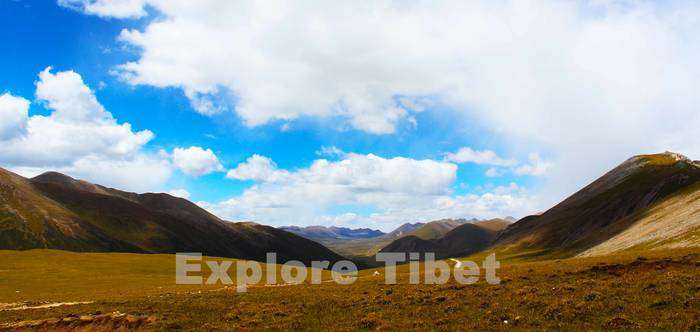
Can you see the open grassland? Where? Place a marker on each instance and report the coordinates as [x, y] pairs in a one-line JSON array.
[[47, 276], [362, 248], [659, 290]]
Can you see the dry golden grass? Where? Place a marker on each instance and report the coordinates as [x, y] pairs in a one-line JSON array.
[[658, 291]]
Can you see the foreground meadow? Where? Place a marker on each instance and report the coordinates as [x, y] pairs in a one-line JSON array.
[[61, 290]]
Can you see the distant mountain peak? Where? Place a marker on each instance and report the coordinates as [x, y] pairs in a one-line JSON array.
[[51, 177], [318, 232]]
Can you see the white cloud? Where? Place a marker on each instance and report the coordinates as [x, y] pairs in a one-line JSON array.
[[77, 127], [108, 8], [600, 80], [258, 168], [536, 167], [80, 138], [140, 173], [355, 173], [485, 157], [182, 193], [196, 161], [69, 98], [398, 189], [13, 116]]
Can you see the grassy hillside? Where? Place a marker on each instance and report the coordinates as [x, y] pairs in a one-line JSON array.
[[494, 225], [363, 248], [598, 293], [674, 222], [60, 276], [58, 212], [357, 247], [461, 241], [618, 201], [436, 229]]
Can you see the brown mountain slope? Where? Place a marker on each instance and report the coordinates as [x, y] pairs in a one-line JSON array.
[[463, 240], [494, 225], [58, 212], [437, 229], [29, 219], [608, 207]]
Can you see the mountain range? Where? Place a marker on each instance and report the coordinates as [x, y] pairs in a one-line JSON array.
[[420, 234], [55, 211], [324, 233], [462, 240], [648, 201]]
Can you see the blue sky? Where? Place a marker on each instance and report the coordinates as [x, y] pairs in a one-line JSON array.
[[481, 127]]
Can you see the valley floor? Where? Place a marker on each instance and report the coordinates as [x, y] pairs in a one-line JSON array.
[[659, 290]]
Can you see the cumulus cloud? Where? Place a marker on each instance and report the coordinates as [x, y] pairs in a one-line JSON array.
[[69, 98], [108, 8], [141, 172], [77, 127], [258, 168], [79, 137], [196, 161], [600, 79], [356, 172], [396, 189], [485, 157], [13, 116]]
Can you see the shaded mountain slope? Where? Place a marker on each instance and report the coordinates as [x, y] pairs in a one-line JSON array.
[[436, 229], [463, 240], [58, 212], [610, 206]]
